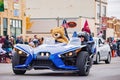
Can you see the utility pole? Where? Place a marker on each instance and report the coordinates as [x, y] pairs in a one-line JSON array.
[[100, 20], [58, 21]]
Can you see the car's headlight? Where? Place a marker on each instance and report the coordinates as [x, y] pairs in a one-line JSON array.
[[20, 52], [47, 54], [69, 54], [44, 54]]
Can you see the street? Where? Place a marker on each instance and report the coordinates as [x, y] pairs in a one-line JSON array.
[[100, 71]]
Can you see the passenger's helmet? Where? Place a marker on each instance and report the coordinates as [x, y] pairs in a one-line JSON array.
[[83, 34]]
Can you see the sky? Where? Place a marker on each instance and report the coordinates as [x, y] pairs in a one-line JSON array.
[[113, 8]]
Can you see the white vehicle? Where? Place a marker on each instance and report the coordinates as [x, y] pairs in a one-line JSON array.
[[103, 51]]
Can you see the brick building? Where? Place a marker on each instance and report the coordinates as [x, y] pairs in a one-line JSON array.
[[12, 18]]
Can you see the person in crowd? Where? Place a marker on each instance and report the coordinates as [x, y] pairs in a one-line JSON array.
[[19, 40], [109, 40], [2, 55], [2, 51], [12, 40], [7, 46], [31, 43], [26, 40], [40, 41], [114, 48], [1, 41], [100, 34], [118, 48], [35, 40]]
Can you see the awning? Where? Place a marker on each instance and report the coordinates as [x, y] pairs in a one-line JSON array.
[[118, 23], [110, 21]]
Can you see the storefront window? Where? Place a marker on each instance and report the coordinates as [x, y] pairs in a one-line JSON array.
[[98, 11], [13, 23], [16, 28], [104, 11], [5, 26], [20, 24], [17, 23]]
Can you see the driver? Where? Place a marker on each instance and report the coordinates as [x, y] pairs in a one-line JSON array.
[[83, 37], [86, 39]]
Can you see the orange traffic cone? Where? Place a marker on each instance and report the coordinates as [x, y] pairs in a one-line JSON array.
[[113, 53]]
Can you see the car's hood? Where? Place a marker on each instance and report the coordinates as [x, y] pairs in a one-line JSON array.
[[25, 48], [57, 48]]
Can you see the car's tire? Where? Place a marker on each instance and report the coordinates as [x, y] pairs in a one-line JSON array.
[[15, 61], [83, 63], [108, 59], [97, 60]]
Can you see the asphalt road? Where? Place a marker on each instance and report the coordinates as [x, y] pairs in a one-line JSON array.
[[101, 71]]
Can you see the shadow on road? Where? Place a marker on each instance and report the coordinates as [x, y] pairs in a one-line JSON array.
[[57, 74]]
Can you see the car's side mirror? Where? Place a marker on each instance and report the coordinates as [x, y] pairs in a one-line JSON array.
[[103, 42], [100, 45]]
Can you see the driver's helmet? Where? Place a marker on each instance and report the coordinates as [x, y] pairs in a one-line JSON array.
[[83, 34]]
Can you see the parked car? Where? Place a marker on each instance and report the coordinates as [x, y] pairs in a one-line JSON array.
[[103, 51], [58, 57]]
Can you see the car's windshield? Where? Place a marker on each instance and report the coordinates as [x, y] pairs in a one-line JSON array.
[[49, 40], [75, 41], [95, 40]]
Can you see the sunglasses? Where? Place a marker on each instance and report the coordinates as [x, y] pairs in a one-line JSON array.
[[80, 36]]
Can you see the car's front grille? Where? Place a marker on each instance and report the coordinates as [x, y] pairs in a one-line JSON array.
[[69, 61], [22, 59], [42, 63]]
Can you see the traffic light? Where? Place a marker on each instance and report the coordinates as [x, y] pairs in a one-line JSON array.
[[28, 23]]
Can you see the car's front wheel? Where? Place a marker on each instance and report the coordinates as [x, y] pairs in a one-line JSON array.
[[97, 61], [83, 63], [15, 61], [108, 59]]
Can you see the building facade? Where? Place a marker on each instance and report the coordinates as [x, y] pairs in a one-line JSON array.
[[46, 17], [114, 24], [43, 18], [101, 11], [12, 18]]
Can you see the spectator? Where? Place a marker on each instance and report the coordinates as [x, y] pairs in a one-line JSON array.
[[1, 41], [31, 43], [100, 34], [7, 46], [19, 40], [26, 40], [35, 40], [12, 41], [114, 48], [2, 51], [40, 41], [118, 48]]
